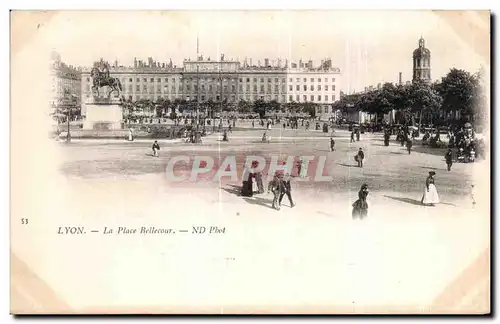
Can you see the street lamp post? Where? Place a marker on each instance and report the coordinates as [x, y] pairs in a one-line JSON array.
[[197, 95], [68, 135]]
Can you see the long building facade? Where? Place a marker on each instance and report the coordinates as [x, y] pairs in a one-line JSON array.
[[229, 81]]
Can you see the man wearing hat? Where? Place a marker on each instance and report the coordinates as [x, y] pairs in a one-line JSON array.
[[287, 190], [449, 160], [277, 187], [359, 157], [258, 178]]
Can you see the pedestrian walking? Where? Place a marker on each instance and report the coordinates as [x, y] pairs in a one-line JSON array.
[[430, 197], [357, 135], [449, 159], [359, 157], [387, 136], [352, 137], [276, 187], [360, 206], [409, 144], [287, 190], [156, 149], [332, 144], [258, 179]]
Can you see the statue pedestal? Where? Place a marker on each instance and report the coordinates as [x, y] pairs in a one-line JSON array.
[[103, 114]]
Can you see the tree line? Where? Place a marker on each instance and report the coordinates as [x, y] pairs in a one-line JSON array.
[[162, 106], [457, 97]]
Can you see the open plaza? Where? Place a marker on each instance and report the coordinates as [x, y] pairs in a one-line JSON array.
[[104, 182]]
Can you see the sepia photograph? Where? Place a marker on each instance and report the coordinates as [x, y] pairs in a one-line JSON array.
[[250, 162]]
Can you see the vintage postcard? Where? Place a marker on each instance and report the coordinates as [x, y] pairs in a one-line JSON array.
[[250, 162]]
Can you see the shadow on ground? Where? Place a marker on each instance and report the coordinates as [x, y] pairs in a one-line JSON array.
[[259, 201], [430, 168], [348, 165], [233, 189], [255, 200], [406, 200]]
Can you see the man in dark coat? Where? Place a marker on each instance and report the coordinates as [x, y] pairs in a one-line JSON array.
[[156, 148], [352, 136], [332, 144], [449, 159], [359, 157], [287, 190]]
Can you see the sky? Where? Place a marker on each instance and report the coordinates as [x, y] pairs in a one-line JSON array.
[[368, 46]]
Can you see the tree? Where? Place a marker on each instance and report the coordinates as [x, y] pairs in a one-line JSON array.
[[273, 105], [128, 107], [260, 107], [244, 107], [211, 107], [425, 102], [161, 106], [460, 92], [292, 107], [180, 104], [309, 108], [66, 106]]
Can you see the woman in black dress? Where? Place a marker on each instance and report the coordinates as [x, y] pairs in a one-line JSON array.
[[360, 206], [247, 186]]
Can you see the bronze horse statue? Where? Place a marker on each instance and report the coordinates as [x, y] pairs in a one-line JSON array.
[[101, 79]]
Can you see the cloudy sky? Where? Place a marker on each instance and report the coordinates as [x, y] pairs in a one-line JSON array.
[[368, 46]]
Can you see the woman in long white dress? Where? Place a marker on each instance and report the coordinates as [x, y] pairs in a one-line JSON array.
[[430, 197]]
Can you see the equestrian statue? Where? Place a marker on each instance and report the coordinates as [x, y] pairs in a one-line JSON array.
[[101, 79]]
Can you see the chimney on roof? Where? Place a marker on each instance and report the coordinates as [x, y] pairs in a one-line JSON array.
[[400, 78]]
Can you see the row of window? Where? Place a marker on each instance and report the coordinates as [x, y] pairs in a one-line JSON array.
[[423, 74], [276, 80], [211, 97], [202, 88], [225, 87], [297, 87], [312, 80], [304, 98]]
